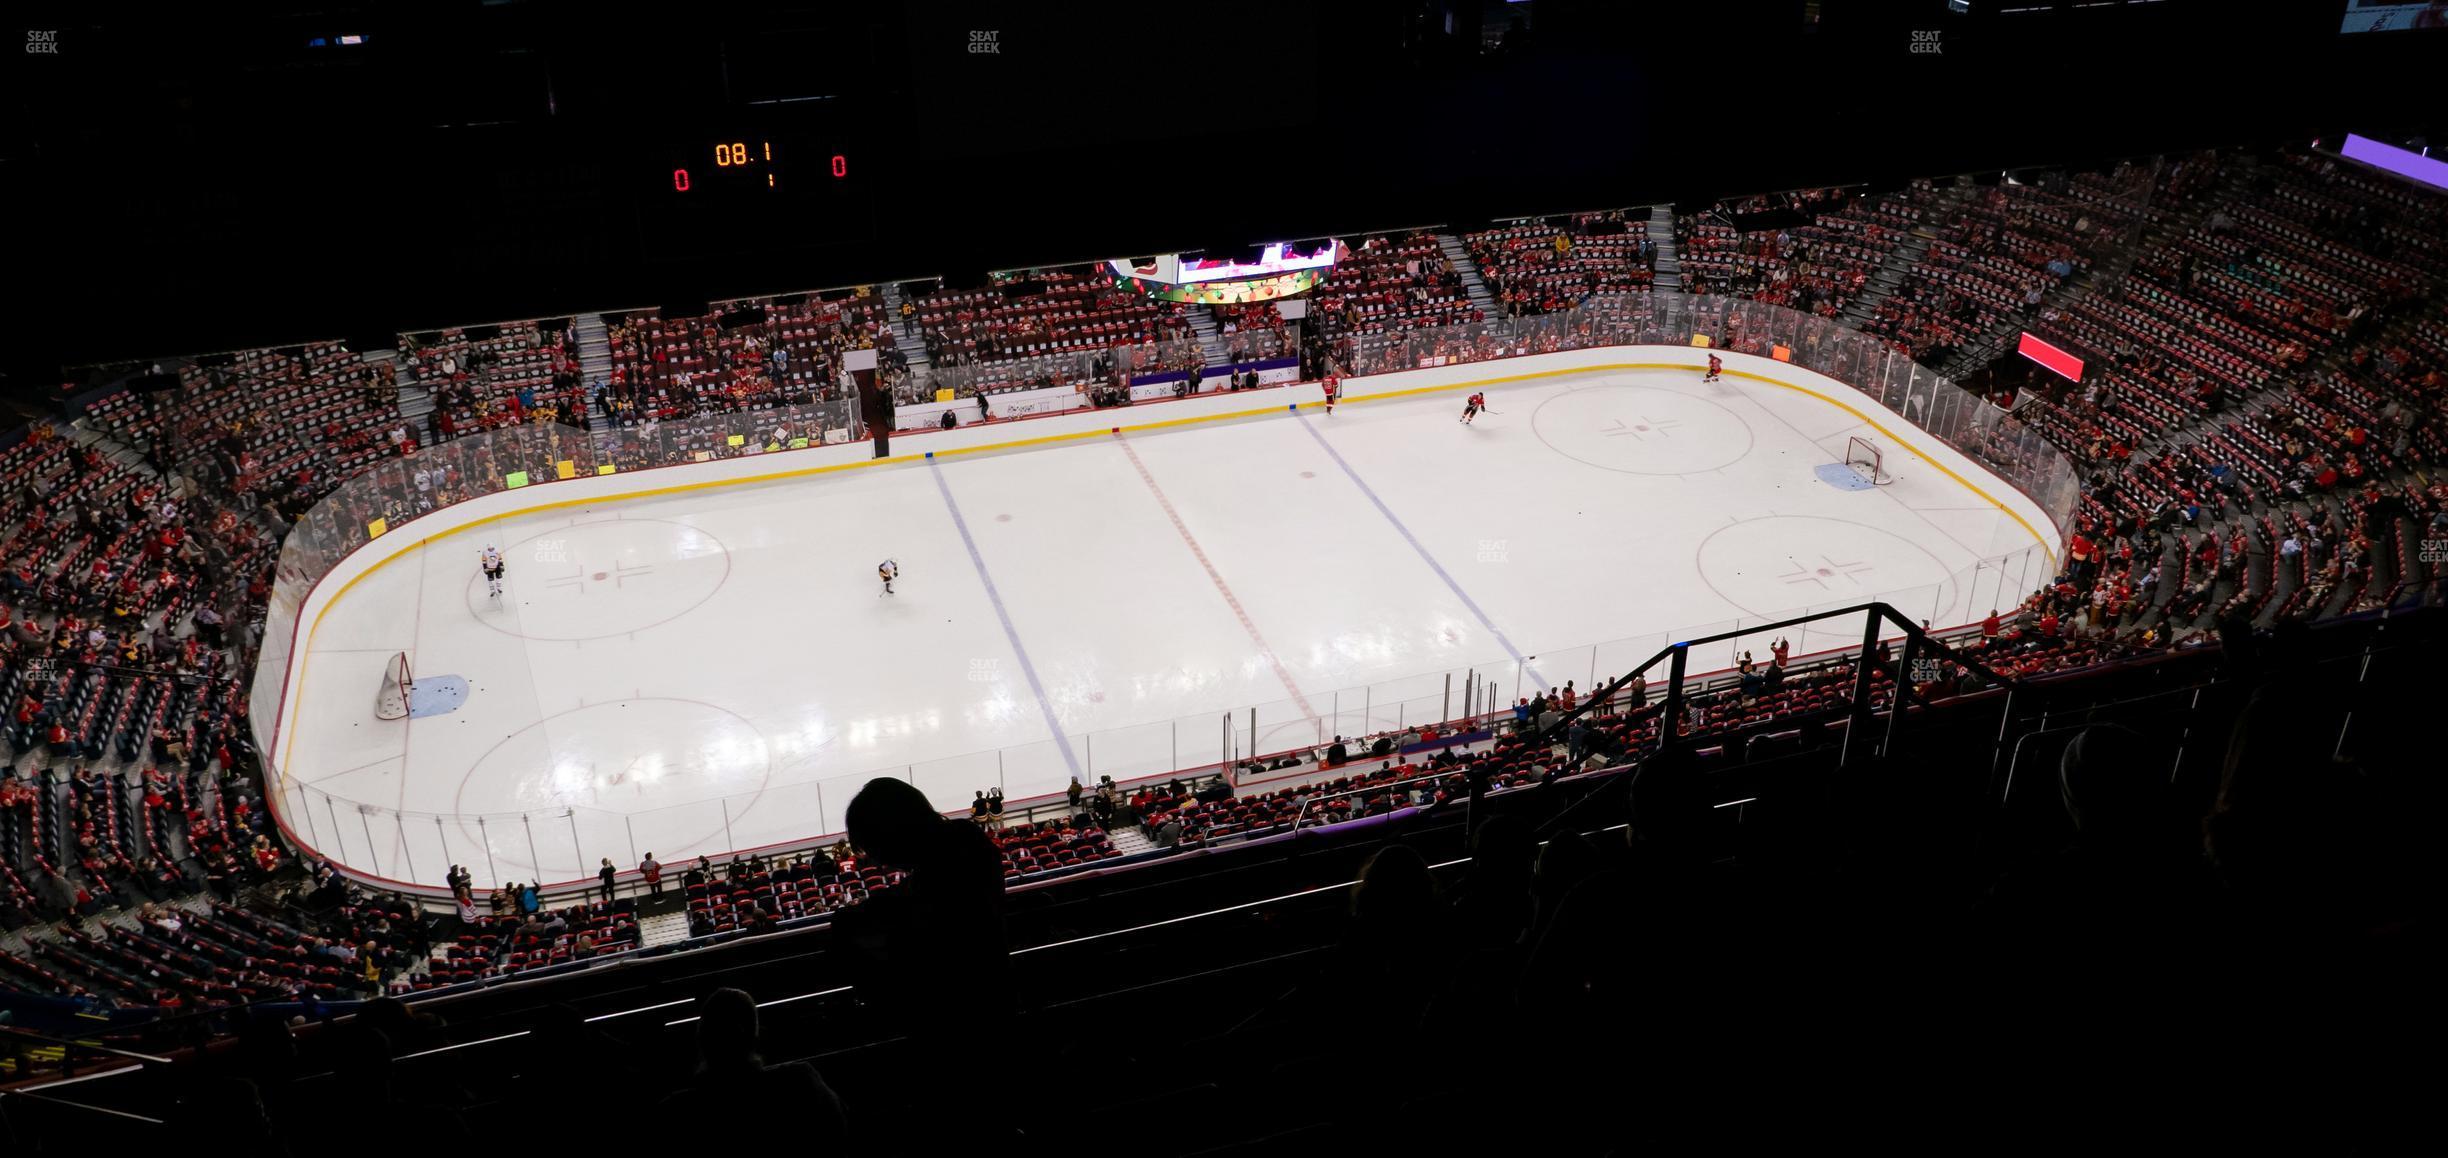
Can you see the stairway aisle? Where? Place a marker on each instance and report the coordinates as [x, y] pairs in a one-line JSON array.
[[2097, 279], [905, 339], [415, 402], [1668, 273], [1468, 271], [594, 356], [1890, 274], [1211, 340]]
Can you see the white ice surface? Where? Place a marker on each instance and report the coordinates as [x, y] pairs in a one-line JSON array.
[[716, 669]]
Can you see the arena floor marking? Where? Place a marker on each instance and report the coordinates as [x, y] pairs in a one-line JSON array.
[[1222, 588], [1371, 494], [1010, 632]]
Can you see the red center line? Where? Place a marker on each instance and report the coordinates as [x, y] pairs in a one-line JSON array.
[[1222, 588]]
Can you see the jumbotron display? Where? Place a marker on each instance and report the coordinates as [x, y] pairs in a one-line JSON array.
[[1282, 270]]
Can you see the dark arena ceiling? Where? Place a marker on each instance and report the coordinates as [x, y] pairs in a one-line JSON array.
[[204, 177]]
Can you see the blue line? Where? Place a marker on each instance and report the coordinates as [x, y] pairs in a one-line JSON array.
[[1425, 557], [1010, 633]]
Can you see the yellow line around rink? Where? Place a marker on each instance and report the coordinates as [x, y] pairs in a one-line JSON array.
[[298, 695]]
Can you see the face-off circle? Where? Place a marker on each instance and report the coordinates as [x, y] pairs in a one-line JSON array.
[[1641, 430], [625, 756], [602, 579], [1782, 563]]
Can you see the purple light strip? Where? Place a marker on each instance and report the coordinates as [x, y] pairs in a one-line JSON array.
[[2412, 166]]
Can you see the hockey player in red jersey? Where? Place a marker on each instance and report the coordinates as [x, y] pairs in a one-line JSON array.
[[1715, 365], [1471, 408], [1334, 389]]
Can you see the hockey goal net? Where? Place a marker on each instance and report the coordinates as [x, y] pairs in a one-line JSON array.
[[398, 689], [1864, 456]]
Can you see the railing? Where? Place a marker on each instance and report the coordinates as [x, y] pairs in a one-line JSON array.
[[808, 791], [1310, 802]]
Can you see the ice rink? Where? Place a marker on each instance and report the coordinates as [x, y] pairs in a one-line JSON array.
[[718, 669]]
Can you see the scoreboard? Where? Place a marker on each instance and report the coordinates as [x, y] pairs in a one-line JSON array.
[[808, 186], [756, 162]]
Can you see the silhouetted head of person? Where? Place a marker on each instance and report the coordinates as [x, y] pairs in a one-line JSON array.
[[1668, 803], [1502, 851], [559, 1024], [388, 1014], [1394, 888], [363, 1061], [2287, 810], [891, 820], [727, 1031], [2114, 785], [1566, 861]]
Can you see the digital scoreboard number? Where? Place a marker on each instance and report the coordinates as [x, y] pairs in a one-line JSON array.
[[749, 163], [809, 186]]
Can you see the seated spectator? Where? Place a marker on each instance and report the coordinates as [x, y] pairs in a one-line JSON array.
[[2132, 878], [733, 1084], [1399, 932]]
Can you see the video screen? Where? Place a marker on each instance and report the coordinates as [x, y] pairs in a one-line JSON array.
[[2393, 15]]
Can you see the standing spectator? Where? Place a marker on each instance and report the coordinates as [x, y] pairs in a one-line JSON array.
[[528, 901], [607, 874], [933, 944], [208, 626], [1073, 794], [652, 870], [994, 809]]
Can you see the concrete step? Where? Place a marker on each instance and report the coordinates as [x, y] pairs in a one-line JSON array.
[[907, 339], [1472, 284], [1211, 339], [594, 338], [1669, 270]]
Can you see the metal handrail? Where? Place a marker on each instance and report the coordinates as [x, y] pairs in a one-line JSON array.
[[1915, 638], [1388, 786]]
